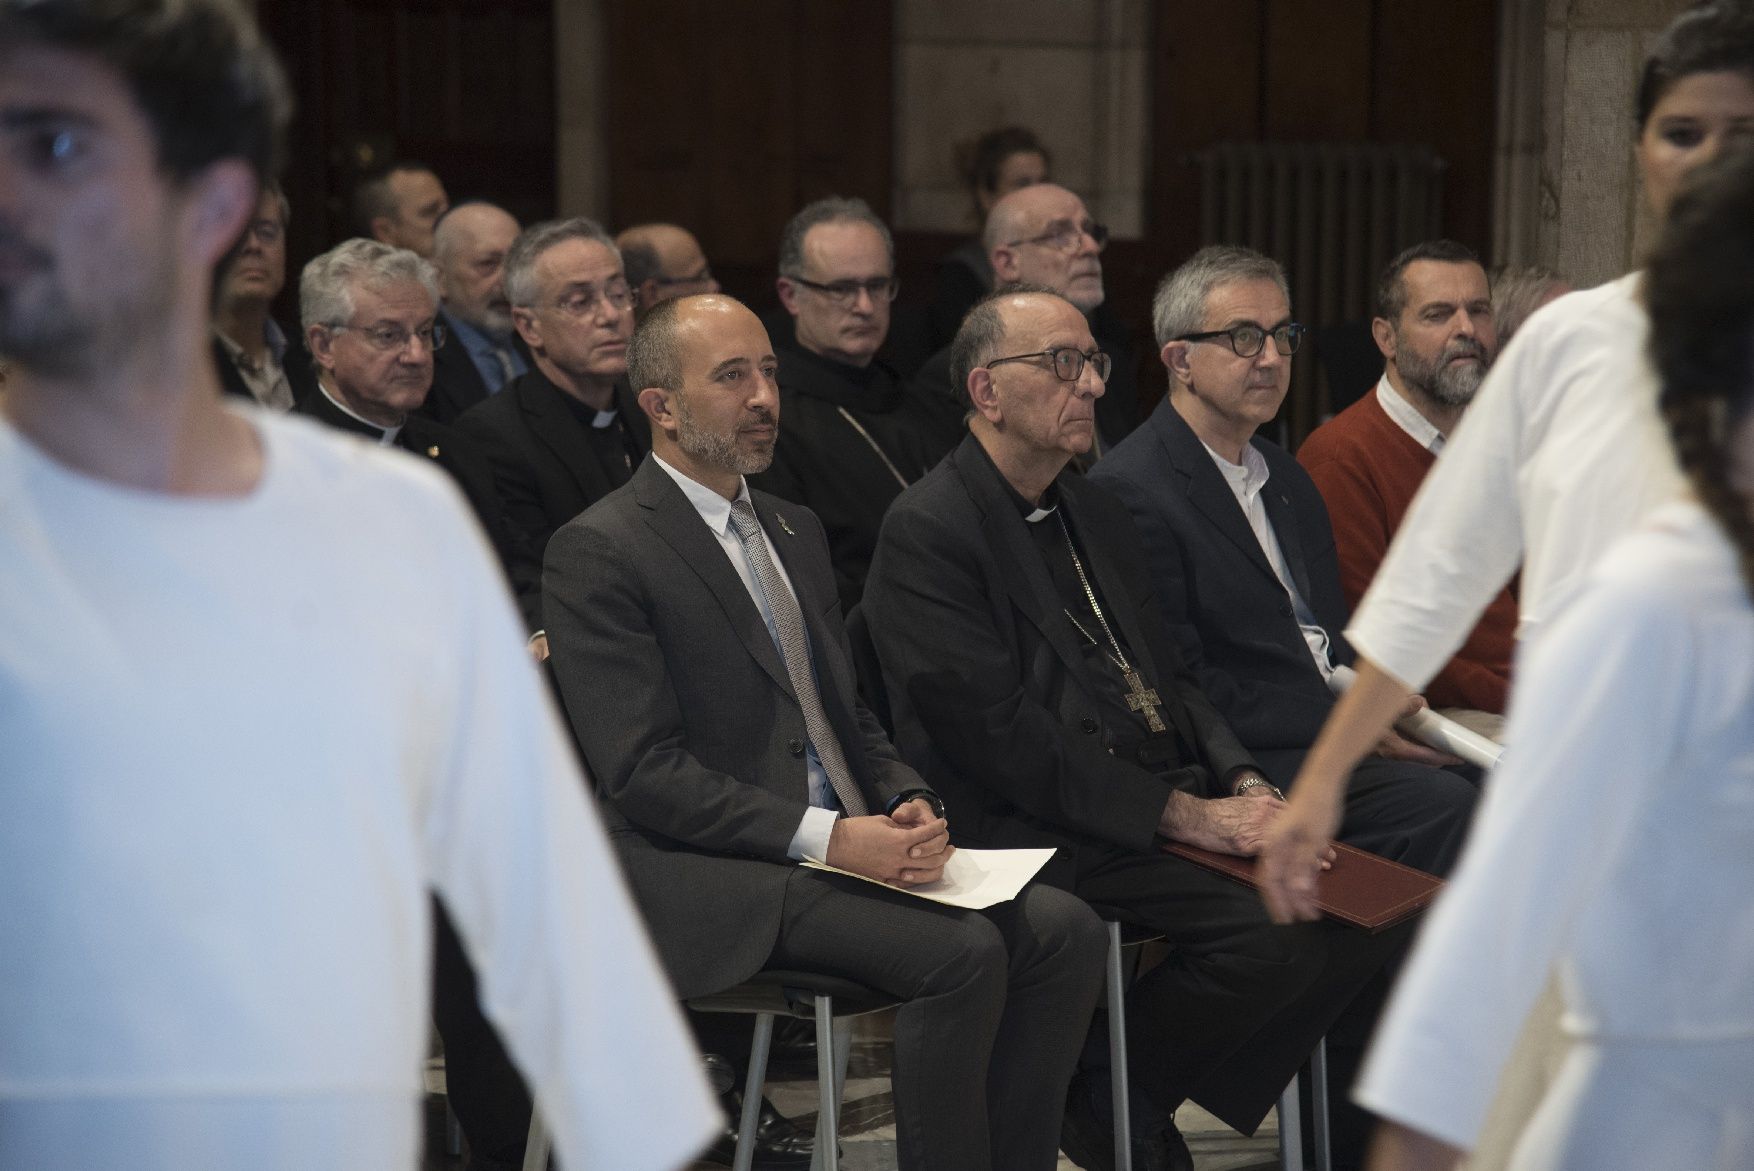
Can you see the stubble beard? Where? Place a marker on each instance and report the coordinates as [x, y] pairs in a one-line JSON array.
[[715, 450], [1443, 381]]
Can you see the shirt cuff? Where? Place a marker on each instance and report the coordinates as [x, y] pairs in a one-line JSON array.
[[811, 840]]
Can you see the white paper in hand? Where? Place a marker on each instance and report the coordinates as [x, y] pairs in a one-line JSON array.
[[972, 879]]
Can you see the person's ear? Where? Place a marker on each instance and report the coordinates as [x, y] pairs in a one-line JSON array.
[[1174, 356], [788, 292], [221, 199], [321, 343], [1005, 266], [983, 395], [524, 321], [1384, 335], [655, 402]]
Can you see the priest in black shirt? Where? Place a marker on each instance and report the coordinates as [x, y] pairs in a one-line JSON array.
[[1035, 686], [369, 312], [567, 433], [850, 437]]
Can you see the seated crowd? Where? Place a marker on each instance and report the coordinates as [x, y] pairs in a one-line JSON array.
[[796, 605]]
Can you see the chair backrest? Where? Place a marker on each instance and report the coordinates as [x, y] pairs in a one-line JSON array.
[[869, 669]]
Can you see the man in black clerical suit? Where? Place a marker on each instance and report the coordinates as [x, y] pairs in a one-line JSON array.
[[469, 246], [1238, 542], [1043, 234], [697, 637], [1034, 684], [567, 433], [368, 311], [850, 437]]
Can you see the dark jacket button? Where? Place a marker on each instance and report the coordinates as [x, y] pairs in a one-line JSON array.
[[795, 746], [1088, 725]]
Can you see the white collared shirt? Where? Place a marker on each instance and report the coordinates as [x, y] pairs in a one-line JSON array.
[[811, 839], [1246, 481], [1406, 416]]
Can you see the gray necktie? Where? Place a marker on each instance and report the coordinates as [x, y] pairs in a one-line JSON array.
[[788, 620], [507, 371]]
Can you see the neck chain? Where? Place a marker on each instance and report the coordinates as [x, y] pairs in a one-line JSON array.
[[1139, 697]]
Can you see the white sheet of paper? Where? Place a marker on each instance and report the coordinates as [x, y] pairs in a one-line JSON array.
[[1439, 732], [972, 879]]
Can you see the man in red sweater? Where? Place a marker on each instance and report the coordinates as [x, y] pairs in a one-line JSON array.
[[1435, 329]]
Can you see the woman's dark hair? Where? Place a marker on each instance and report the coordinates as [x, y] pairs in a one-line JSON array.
[[1700, 292], [207, 83], [978, 162], [1713, 37]]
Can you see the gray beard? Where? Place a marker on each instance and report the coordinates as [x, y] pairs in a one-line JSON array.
[[719, 451], [1443, 382]]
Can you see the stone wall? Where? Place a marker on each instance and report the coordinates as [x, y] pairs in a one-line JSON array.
[[1074, 71]]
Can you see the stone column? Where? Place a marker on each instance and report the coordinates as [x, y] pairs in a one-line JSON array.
[[581, 68]]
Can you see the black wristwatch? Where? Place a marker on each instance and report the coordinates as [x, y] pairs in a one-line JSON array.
[[929, 797]]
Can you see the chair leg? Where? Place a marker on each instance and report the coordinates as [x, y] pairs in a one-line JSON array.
[[453, 1130], [754, 1085], [1117, 1051], [536, 1146], [1318, 1105], [827, 1154], [1290, 1130]]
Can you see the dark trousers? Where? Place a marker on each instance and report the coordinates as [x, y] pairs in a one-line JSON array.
[[996, 1005]]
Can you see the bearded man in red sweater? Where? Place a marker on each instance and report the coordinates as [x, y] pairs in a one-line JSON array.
[[1435, 328]]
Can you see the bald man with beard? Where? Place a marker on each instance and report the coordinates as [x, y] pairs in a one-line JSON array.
[[469, 250]]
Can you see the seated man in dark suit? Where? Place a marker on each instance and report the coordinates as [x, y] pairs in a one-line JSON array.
[[255, 357], [469, 247], [1237, 537], [567, 433], [369, 315], [1034, 684], [697, 637]]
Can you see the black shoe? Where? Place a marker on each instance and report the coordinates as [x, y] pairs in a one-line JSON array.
[[779, 1145], [794, 1047], [1086, 1138], [1167, 1151]]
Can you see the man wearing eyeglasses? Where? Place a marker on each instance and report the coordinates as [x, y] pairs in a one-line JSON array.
[[850, 437], [255, 357], [663, 261], [1043, 234], [566, 433], [1035, 685]]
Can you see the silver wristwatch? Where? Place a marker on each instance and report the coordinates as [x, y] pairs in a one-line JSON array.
[[1256, 781]]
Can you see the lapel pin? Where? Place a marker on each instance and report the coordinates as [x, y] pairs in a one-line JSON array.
[[433, 451], [786, 528]]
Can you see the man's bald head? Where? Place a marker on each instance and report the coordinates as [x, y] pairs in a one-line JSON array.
[[1043, 234], [469, 249], [664, 261]]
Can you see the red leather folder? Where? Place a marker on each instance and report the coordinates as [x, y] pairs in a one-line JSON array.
[[1362, 889]]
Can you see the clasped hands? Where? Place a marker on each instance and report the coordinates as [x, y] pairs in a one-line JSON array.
[[908, 847], [1231, 825]]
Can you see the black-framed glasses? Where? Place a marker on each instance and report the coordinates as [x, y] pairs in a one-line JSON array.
[[388, 337], [1066, 362], [1248, 340], [1067, 237], [846, 293]]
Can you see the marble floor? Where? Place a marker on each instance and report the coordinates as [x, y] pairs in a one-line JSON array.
[[868, 1124]]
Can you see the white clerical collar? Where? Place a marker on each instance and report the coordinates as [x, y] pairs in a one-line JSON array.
[[714, 509], [1247, 478], [1407, 417], [603, 419], [388, 434]]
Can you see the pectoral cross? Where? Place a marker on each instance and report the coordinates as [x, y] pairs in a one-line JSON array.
[[1143, 698]]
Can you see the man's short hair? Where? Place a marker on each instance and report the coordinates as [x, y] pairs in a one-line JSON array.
[[982, 331], [1517, 293], [1179, 306], [640, 262], [325, 288], [532, 242], [373, 197], [833, 210], [207, 83], [654, 356], [1391, 287]]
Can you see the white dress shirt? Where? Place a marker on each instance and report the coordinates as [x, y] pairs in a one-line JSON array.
[[1560, 453], [811, 839], [1617, 840], [241, 740], [1406, 416], [1246, 481]]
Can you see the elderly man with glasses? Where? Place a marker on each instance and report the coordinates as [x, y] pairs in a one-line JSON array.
[[1043, 234], [1035, 685], [850, 437]]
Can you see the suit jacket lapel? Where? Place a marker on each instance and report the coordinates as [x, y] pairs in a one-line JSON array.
[[1204, 486], [675, 520], [1007, 535], [561, 432]]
